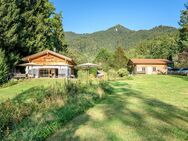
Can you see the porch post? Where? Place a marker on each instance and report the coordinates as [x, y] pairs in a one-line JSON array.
[[26, 70]]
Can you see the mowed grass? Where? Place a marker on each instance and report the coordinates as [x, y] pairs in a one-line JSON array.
[[12, 91], [148, 108]]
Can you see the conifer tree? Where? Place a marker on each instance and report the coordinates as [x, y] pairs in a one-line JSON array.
[[183, 42], [120, 60], [29, 26], [183, 39], [3, 68]]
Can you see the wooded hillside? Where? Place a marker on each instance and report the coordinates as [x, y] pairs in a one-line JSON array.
[[90, 44]]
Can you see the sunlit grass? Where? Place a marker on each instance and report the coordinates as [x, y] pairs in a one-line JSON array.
[[147, 108], [12, 91]]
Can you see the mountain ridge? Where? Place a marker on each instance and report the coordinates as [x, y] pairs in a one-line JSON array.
[[118, 35], [119, 25]]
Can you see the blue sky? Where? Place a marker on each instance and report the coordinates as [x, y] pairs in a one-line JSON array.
[[86, 16]]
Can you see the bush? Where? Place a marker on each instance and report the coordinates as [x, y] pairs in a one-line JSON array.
[[93, 71], [82, 75], [11, 114], [112, 74], [122, 72]]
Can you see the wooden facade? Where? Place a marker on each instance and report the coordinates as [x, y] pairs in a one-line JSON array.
[[48, 64]]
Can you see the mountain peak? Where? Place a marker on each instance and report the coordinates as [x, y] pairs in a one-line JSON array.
[[118, 28]]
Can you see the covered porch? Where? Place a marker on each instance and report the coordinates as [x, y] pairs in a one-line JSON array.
[[43, 71]]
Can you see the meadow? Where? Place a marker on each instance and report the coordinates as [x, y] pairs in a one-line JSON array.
[[153, 108], [147, 108]]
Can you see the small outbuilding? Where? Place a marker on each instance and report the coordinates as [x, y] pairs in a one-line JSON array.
[[48, 64], [149, 66]]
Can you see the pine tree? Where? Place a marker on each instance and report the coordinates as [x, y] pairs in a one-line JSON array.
[[183, 42], [10, 26], [29, 26], [183, 39], [120, 60], [42, 26], [58, 33], [3, 68]]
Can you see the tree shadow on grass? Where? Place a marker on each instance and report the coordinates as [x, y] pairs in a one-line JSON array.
[[180, 76], [119, 84], [152, 108], [34, 93], [151, 119]]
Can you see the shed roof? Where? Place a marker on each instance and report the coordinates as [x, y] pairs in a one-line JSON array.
[[150, 61]]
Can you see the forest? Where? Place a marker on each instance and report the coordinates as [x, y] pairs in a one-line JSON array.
[[30, 26], [117, 36]]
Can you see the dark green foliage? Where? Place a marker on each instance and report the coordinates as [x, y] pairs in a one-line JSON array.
[[3, 68], [182, 59], [27, 27], [122, 72], [104, 58], [58, 34], [183, 42], [77, 56], [120, 60], [90, 44], [105, 85], [108, 60], [93, 71], [160, 47]]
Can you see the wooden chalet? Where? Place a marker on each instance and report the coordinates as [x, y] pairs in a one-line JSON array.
[[48, 64]]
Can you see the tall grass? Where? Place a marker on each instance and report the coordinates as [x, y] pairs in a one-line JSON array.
[[37, 113]]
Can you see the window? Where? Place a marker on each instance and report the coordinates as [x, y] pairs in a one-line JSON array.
[[143, 69], [154, 69], [44, 72]]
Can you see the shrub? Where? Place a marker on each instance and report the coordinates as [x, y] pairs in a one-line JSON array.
[[93, 71], [82, 75], [122, 72], [11, 114], [112, 74]]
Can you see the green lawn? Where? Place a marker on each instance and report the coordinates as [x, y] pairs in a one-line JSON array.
[[13, 91], [148, 108]]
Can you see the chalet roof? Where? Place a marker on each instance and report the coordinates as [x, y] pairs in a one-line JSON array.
[[150, 61], [47, 52], [27, 64]]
